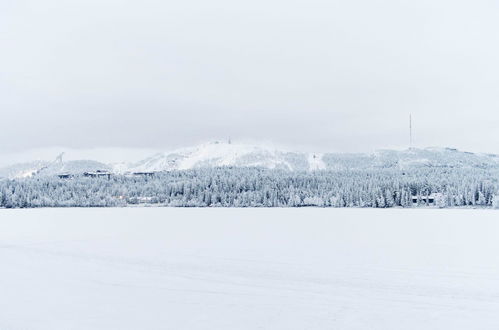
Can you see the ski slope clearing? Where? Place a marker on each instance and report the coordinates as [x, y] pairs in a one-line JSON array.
[[168, 268]]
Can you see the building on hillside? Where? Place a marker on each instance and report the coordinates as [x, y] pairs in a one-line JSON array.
[[430, 199], [98, 174], [148, 174]]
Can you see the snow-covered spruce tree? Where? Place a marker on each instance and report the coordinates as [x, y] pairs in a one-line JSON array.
[[441, 200], [495, 202], [256, 187]]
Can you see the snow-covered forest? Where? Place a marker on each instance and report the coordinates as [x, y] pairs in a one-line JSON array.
[[258, 187]]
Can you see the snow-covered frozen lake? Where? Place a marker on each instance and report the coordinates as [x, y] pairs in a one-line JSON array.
[[167, 268]]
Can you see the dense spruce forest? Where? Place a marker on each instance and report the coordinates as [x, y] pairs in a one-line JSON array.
[[256, 187]]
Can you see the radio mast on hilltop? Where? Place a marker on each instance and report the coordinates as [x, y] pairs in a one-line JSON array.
[[410, 131]]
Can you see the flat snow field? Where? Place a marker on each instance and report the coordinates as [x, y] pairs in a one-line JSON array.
[[309, 268]]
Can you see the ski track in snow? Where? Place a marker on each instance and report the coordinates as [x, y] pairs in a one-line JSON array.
[[166, 268]]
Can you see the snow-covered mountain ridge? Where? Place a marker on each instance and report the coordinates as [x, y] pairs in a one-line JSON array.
[[245, 155], [218, 154]]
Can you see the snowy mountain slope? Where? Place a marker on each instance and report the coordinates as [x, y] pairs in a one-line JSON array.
[[74, 167], [433, 157], [218, 154], [411, 158], [241, 155], [223, 154], [22, 170], [105, 155], [44, 168], [316, 162]]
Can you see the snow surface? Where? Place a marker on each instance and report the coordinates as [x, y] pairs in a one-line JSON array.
[[167, 268]]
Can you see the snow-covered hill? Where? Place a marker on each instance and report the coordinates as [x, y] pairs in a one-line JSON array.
[[44, 168], [243, 155], [23, 170], [411, 158], [74, 167], [217, 154]]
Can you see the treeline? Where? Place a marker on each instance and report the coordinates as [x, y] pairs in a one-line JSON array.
[[255, 187]]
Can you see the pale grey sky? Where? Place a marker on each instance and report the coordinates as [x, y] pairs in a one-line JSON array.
[[329, 75]]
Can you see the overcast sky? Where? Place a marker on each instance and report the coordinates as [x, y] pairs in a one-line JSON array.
[[324, 75]]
